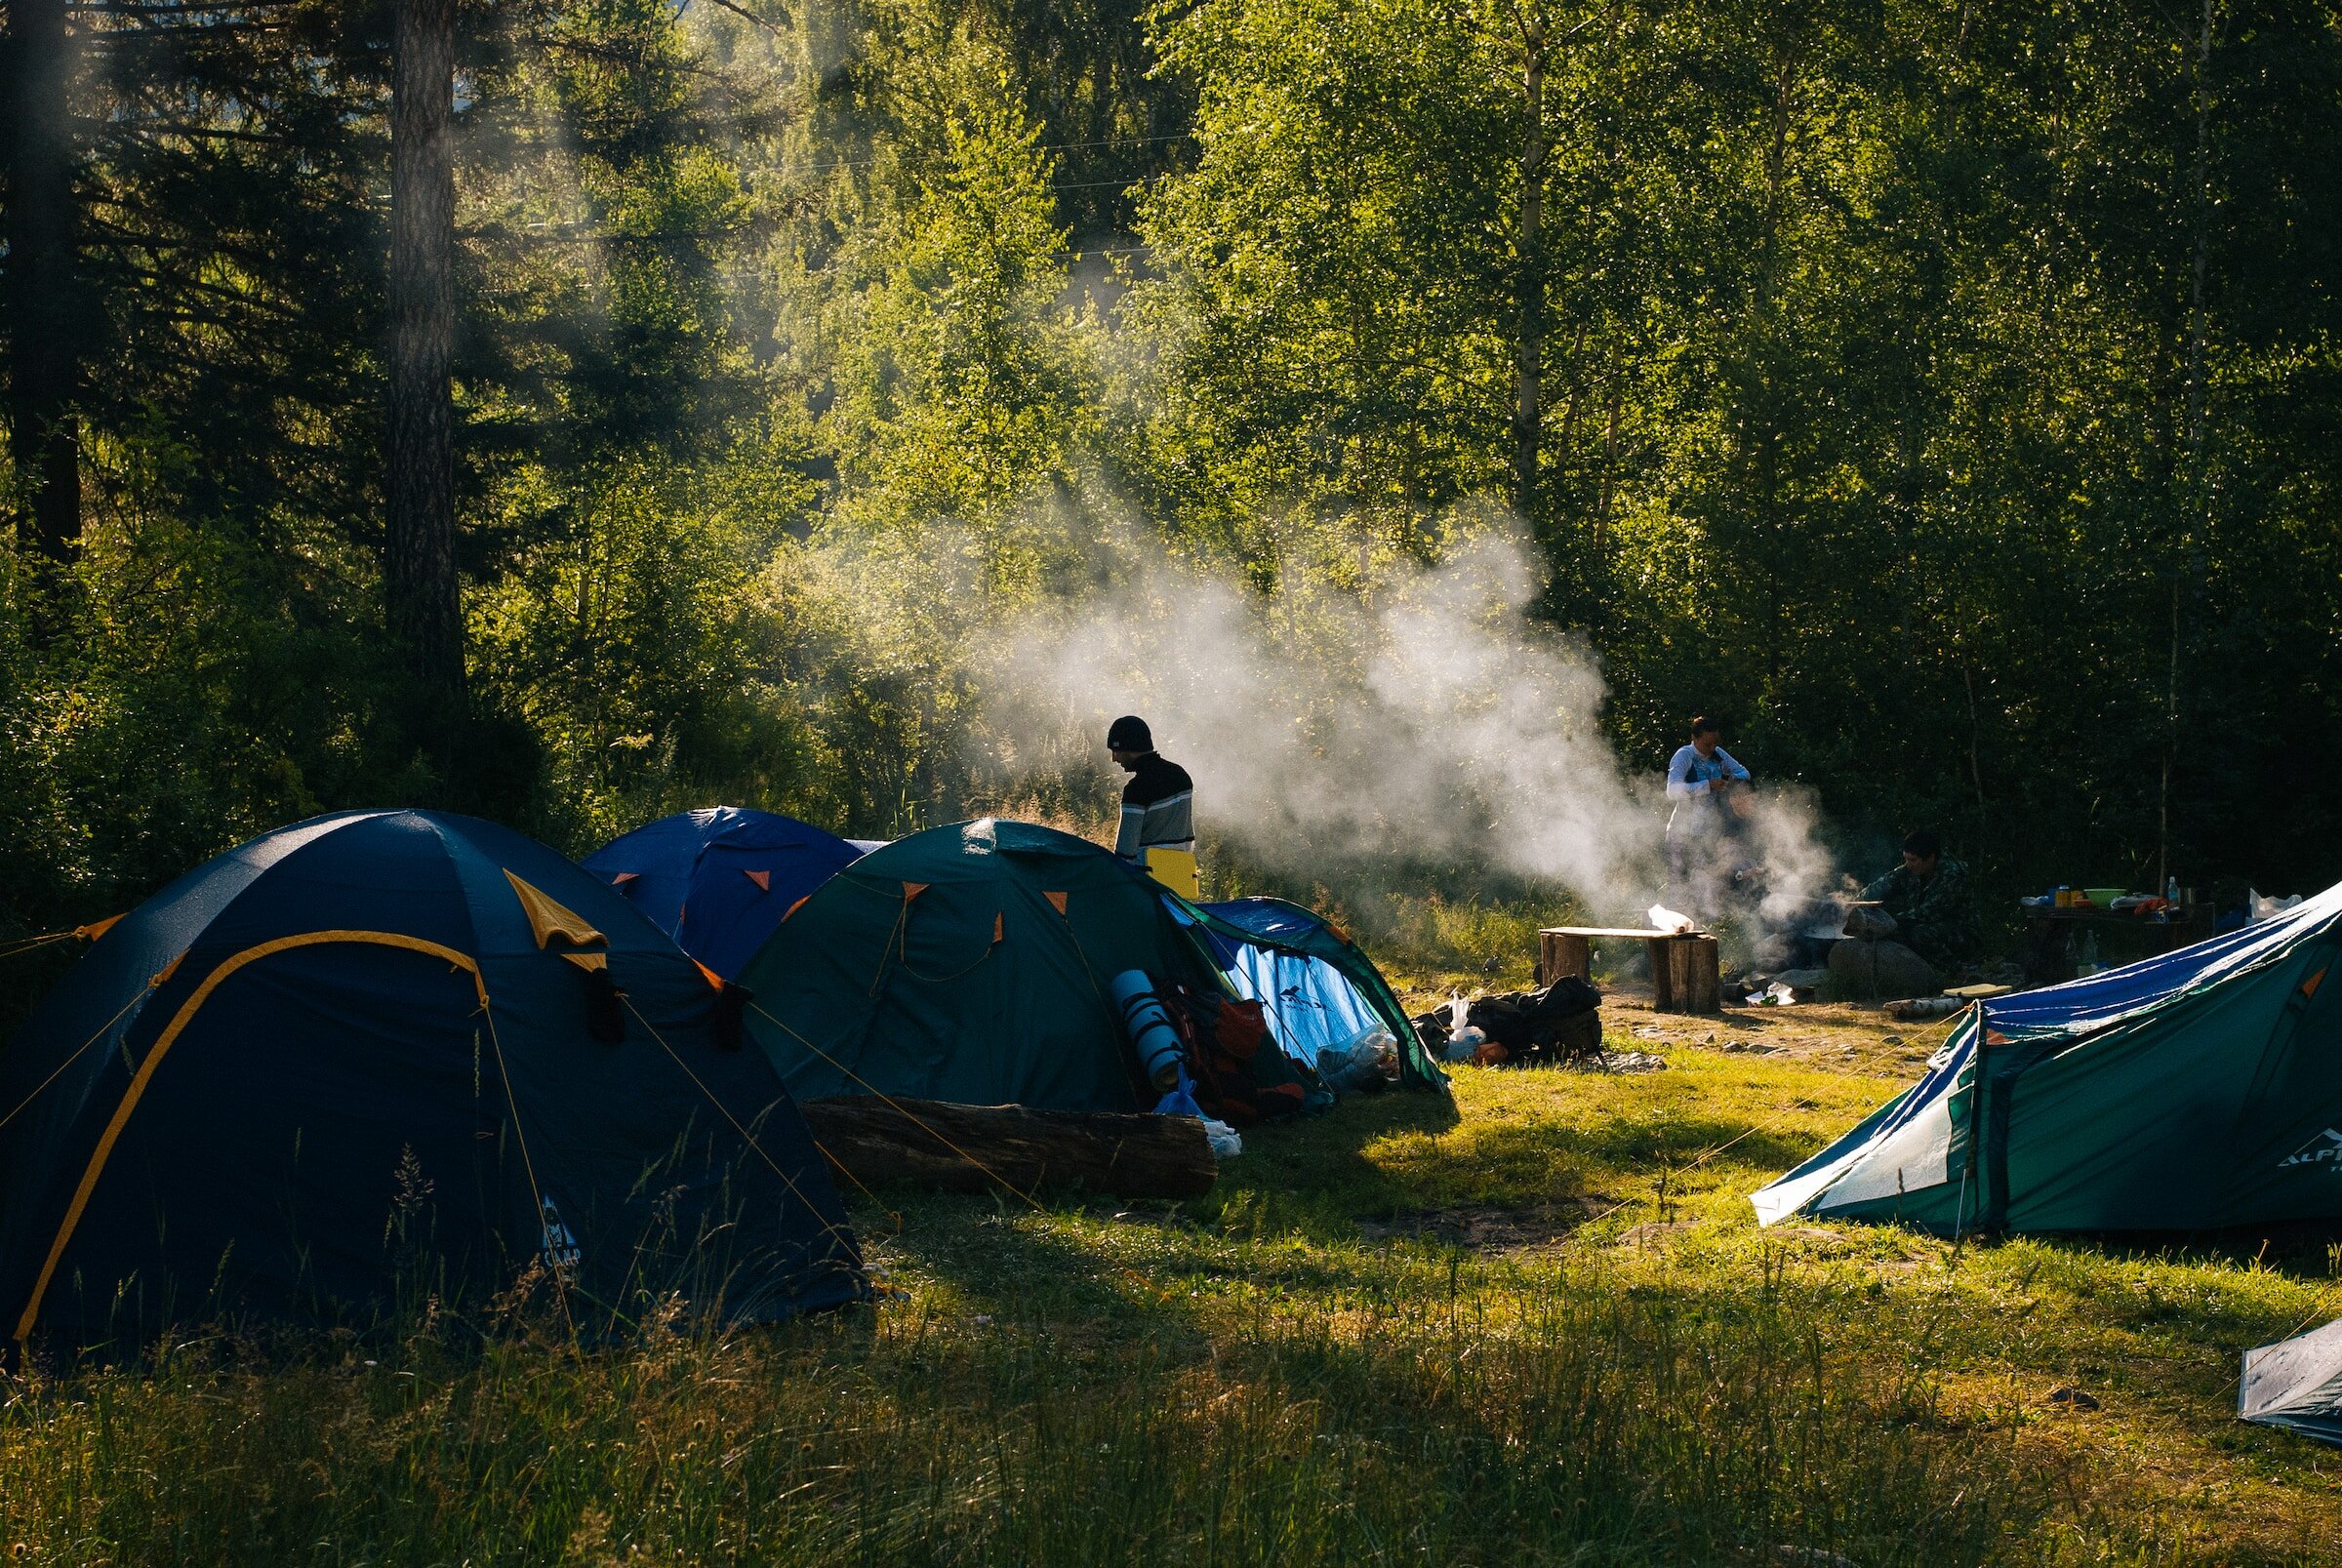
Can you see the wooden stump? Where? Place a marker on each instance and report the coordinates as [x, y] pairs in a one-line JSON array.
[[1561, 953], [976, 1148], [1684, 974]]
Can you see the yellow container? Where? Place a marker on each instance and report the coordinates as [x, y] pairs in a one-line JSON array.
[[1175, 868]]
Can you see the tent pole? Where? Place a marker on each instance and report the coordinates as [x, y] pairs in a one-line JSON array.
[[1971, 1172]]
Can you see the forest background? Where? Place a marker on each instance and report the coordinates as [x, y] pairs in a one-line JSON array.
[[1945, 394]]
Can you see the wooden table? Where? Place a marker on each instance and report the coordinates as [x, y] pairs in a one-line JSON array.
[[2048, 930], [1684, 964]]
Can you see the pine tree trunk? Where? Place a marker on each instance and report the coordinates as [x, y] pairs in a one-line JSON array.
[[419, 591], [1528, 357], [44, 438]]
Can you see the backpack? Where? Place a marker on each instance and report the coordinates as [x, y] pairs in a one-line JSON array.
[[1242, 1076]]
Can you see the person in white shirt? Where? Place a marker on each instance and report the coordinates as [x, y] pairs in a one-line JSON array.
[[1700, 778]]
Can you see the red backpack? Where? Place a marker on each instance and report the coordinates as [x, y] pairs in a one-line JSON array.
[[1237, 1079]]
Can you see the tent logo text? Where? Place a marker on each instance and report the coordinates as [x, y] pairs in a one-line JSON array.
[[2323, 1149]]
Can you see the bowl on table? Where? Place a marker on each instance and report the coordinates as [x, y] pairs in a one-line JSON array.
[[2103, 897]]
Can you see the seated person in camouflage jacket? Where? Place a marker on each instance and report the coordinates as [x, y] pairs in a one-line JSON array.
[[1929, 897]]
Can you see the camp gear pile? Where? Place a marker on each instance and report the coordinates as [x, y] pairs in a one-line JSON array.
[[1560, 1024]]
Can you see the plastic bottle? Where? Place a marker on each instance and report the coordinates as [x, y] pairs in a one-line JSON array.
[[2088, 964]]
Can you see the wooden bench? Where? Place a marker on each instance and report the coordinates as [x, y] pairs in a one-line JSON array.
[[1684, 967]]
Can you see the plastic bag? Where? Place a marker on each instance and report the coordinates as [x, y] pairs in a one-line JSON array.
[[1359, 1063], [1672, 921], [1227, 1143], [1464, 1044], [2268, 909]]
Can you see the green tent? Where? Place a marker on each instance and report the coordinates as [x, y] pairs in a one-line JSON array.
[[974, 963], [2194, 1091]]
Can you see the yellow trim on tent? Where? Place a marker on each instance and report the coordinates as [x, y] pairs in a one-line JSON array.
[[548, 919], [162, 1046]]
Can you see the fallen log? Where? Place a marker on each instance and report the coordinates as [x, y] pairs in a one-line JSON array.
[[976, 1148]]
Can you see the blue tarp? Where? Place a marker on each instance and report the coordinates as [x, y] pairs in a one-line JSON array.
[[720, 879]]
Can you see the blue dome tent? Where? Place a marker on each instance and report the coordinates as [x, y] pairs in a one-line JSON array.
[[720, 878], [384, 1042]]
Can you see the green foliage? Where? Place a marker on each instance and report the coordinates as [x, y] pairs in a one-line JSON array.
[[1942, 397]]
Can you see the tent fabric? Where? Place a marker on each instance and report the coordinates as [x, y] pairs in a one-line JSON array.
[[2297, 1384], [2194, 1091], [719, 880], [355, 1056], [971, 963], [1308, 1003], [1316, 984]]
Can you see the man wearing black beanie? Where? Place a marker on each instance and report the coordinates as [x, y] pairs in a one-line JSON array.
[[1158, 808]]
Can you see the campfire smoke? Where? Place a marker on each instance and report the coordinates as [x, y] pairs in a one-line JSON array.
[[1425, 719]]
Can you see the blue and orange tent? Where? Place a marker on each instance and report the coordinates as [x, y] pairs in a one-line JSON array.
[[720, 879], [396, 1045], [975, 963]]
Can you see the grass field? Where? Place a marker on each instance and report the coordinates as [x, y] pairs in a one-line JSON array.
[[1536, 1327]]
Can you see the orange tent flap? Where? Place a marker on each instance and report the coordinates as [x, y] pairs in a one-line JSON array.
[[619, 879], [1058, 900], [548, 919], [709, 975], [2309, 986], [795, 907], [97, 927], [912, 890], [588, 960], [763, 879], [999, 933]]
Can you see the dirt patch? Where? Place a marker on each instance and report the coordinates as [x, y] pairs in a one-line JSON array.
[[1490, 1230]]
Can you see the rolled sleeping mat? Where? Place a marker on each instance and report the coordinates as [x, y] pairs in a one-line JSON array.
[[1148, 1026]]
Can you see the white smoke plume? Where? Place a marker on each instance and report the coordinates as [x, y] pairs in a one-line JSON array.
[[1427, 720]]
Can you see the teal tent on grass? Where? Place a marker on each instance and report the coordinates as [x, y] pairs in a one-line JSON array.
[[2195, 1091], [974, 963], [396, 1051]]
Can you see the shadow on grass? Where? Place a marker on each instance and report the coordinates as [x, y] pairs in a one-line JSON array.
[[1321, 1183], [1321, 1406]]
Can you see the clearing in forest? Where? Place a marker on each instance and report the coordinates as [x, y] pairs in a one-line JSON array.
[[1537, 1326]]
